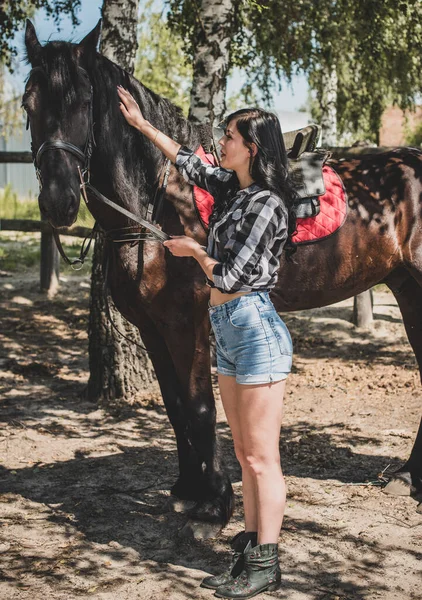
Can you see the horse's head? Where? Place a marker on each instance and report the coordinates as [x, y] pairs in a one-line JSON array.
[[58, 101]]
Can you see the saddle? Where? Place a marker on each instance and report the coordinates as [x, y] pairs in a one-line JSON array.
[[305, 165]]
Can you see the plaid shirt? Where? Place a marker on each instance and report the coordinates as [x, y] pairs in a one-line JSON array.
[[248, 239]]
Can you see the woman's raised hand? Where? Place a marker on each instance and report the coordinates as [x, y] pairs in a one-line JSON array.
[[130, 109]]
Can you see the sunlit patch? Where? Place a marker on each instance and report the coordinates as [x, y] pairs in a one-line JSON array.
[[22, 300]]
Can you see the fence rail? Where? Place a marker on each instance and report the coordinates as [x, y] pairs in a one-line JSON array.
[[15, 157], [30, 225], [50, 258]]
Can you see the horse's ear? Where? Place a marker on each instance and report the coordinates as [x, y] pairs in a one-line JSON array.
[[33, 47], [88, 46]]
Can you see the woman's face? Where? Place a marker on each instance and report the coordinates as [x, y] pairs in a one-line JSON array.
[[234, 154]]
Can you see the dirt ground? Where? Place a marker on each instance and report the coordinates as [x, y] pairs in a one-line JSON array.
[[85, 510]]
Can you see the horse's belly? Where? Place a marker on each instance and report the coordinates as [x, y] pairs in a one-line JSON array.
[[344, 265]]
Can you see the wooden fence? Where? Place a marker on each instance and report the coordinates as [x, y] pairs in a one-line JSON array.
[[50, 258]]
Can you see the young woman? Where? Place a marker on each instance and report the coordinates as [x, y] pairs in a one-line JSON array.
[[251, 224]]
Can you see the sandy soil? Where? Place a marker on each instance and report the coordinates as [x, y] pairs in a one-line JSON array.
[[85, 510]]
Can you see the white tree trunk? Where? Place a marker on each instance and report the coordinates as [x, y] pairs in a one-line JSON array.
[[362, 308], [119, 34], [212, 60], [329, 108]]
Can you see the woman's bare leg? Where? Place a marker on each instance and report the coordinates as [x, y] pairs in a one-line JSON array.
[[228, 391], [259, 411]]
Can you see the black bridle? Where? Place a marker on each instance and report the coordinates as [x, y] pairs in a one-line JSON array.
[[152, 232], [83, 155]]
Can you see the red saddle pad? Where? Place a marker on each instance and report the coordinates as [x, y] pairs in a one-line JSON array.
[[333, 206], [333, 211], [202, 199]]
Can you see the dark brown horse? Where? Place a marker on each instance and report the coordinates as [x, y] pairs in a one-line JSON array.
[[164, 296]]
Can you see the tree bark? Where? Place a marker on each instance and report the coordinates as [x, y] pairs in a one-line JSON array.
[[215, 25], [120, 372], [119, 32], [329, 107], [362, 307]]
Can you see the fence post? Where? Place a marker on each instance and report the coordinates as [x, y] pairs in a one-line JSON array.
[[363, 309], [49, 263]]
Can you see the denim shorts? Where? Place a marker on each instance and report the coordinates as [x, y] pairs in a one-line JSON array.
[[252, 342]]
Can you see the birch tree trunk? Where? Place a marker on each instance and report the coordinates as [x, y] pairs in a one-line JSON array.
[[362, 307], [120, 372], [329, 107], [215, 27]]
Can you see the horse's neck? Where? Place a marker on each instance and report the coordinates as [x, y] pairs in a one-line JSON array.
[[125, 164]]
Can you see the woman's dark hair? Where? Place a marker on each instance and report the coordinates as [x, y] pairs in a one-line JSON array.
[[269, 167]]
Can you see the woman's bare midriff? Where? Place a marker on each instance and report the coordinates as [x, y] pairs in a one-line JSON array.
[[218, 297]]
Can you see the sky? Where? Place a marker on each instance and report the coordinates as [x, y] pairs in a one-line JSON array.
[[291, 98]]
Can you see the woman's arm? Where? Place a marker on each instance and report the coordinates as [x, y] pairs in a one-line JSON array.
[[186, 246], [190, 166], [134, 117]]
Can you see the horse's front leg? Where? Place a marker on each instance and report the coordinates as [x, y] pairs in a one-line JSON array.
[[188, 343], [187, 486]]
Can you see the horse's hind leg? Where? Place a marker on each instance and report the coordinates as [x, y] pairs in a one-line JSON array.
[[408, 479]]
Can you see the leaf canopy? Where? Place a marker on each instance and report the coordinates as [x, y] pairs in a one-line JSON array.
[[374, 45]]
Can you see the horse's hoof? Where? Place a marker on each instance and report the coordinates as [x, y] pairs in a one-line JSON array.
[[400, 484], [199, 530]]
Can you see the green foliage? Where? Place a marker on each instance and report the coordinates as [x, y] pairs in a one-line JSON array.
[[414, 138], [246, 96], [18, 251], [11, 207], [11, 117], [15, 12], [160, 63], [375, 46]]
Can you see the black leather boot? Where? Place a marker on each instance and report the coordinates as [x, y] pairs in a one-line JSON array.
[[261, 573], [238, 544]]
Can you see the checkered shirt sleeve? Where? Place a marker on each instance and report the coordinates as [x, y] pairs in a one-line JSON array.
[[197, 172], [251, 253]]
